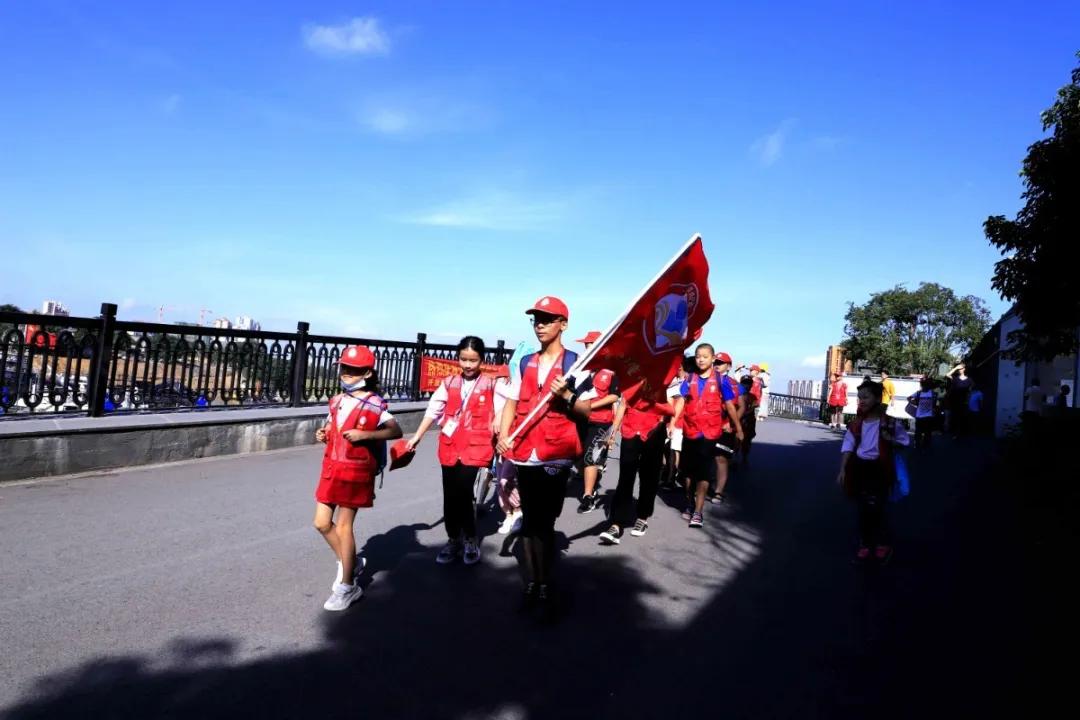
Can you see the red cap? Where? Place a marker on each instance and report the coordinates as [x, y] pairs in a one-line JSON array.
[[723, 357], [357, 356], [590, 337], [400, 454], [551, 305], [755, 367]]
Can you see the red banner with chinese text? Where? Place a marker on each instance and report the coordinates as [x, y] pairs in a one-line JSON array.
[[433, 370]]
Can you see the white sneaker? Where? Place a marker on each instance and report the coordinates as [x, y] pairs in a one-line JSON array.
[[361, 563], [342, 597], [508, 523]]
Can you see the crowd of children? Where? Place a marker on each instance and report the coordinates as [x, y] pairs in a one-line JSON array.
[[534, 445]]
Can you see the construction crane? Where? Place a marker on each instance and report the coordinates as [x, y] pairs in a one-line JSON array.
[[202, 315], [162, 310]]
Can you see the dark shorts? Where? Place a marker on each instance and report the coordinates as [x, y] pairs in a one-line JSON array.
[[726, 446], [697, 459], [596, 436], [925, 424]]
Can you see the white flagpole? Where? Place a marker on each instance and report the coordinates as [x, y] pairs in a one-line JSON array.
[[602, 340]]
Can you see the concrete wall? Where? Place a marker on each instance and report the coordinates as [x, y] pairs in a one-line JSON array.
[[1010, 383], [48, 446]]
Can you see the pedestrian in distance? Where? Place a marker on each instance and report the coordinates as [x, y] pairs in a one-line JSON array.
[[355, 433], [464, 406], [748, 417], [545, 448], [602, 392], [837, 401], [731, 435], [642, 425], [868, 471], [766, 380], [956, 400], [888, 389], [924, 403]]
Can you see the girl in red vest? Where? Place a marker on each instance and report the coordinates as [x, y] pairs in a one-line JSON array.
[[465, 407], [642, 425], [868, 470], [355, 432], [837, 401], [546, 447], [700, 407]]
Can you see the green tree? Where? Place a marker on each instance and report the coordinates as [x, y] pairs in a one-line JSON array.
[[1038, 270], [914, 331]]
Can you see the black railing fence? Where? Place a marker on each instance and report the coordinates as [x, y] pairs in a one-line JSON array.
[[797, 408], [102, 365]]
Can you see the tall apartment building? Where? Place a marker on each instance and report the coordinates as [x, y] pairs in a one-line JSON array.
[[54, 307], [244, 322]]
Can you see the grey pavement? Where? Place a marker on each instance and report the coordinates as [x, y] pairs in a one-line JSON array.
[[195, 590]]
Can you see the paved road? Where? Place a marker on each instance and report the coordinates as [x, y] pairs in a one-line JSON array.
[[195, 590]]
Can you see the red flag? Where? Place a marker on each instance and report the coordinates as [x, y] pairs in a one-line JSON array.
[[645, 347]]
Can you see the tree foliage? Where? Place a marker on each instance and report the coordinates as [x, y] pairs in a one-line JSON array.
[[914, 331], [1038, 272]]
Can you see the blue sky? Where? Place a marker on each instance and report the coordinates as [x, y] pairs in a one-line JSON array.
[[382, 168]]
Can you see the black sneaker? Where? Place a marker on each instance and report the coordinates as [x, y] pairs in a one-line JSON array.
[[611, 535], [546, 604], [587, 505], [528, 596]]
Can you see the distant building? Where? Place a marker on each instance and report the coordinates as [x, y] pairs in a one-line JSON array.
[[805, 388], [223, 323], [243, 322], [54, 307]]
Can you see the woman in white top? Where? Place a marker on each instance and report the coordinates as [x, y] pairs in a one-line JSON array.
[[868, 470], [925, 402]]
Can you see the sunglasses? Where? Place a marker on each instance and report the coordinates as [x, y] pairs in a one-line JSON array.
[[538, 319]]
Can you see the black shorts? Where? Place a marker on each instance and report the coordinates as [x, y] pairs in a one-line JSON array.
[[726, 446], [596, 437], [697, 459]]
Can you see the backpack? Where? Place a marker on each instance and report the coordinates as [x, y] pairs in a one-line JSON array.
[[568, 360], [901, 486]]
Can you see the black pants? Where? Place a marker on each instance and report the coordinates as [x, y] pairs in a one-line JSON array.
[[543, 490], [457, 489], [871, 481], [643, 458]]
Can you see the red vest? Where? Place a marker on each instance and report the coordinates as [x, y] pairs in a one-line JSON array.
[[755, 389], [342, 460], [838, 394], [554, 436], [704, 412], [642, 417], [602, 380], [472, 442]]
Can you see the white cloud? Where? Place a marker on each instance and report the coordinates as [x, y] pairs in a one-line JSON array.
[[814, 361], [359, 36], [170, 104], [414, 114], [769, 148], [492, 211]]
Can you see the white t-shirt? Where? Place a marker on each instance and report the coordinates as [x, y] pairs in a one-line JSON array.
[[348, 404], [868, 445], [513, 392], [437, 404], [1034, 397]]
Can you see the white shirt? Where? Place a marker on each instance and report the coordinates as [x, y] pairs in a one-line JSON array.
[[868, 445], [348, 404], [1034, 397], [513, 392], [437, 404]]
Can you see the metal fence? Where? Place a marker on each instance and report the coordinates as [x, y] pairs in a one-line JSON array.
[[797, 408], [94, 366]]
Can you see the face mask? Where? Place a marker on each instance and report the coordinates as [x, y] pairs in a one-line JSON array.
[[352, 387]]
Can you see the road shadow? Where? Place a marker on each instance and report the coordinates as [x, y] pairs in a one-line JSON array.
[[760, 616]]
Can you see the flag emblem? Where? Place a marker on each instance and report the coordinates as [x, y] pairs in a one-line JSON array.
[[671, 319]]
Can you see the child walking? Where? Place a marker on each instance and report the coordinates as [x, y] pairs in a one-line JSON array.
[[546, 448], [641, 455], [356, 429], [748, 417], [868, 470], [700, 408], [731, 435], [464, 406], [837, 401], [601, 390]]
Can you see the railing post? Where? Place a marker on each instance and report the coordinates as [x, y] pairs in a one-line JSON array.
[[99, 370], [500, 352], [299, 368], [421, 344]]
